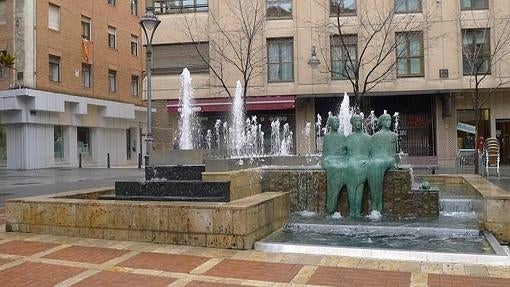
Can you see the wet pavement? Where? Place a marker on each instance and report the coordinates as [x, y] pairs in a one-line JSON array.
[[23, 183]]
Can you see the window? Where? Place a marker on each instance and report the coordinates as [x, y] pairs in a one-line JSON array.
[[344, 56], [172, 58], [345, 7], [112, 37], [279, 9], [409, 54], [112, 81], [134, 86], [54, 68], [134, 7], [134, 45], [85, 28], [280, 56], [179, 6], [3, 72], [58, 142], [54, 17], [3, 12], [474, 4], [476, 51], [86, 75], [407, 6], [111, 2]]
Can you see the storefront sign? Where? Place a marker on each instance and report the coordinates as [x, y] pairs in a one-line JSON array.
[[466, 128]]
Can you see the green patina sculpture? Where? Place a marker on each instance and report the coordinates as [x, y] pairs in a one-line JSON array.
[[334, 161], [424, 185], [383, 146], [356, 159], [358, 152]]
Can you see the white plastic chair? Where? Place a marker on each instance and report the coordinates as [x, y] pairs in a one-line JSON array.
[[490, 155]]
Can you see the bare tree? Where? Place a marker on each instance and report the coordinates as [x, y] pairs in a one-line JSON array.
[[370, 46], [483, 53], [235, 42]]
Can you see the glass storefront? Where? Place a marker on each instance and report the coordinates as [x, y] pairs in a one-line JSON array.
[[466, 128], [58, 142], [3, 146], [84, 142]]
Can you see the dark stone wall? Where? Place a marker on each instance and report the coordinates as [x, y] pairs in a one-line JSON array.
[[307, 190], [306, 187]]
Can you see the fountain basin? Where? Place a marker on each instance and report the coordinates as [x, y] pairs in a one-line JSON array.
[[482, 249], [235, 225]]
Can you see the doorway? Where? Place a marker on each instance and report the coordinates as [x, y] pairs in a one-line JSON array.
[[128, 144], [3, 146], [84, 142], [503, 135]]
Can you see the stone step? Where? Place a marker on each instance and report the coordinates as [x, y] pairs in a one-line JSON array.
[[174, 172], [174, 189], [165, 198]]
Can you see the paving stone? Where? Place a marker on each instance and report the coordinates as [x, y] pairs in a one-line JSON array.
[[346, 277], [95, 255], [122, 279], [25, 248], [32, 274], [164, 262], [438, 280], [4, 261], [255, 270], [209, 284]]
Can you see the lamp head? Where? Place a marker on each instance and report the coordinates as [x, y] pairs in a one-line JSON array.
[[149, 23]]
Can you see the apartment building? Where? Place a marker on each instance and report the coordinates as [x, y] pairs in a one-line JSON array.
[[429, 85], [76, 87]]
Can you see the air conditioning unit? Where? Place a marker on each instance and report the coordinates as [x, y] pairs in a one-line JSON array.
[[443, 73]]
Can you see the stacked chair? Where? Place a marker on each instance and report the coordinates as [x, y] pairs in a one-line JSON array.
[[490, 155]]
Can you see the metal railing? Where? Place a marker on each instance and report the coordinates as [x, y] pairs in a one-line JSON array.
[[176, 7]]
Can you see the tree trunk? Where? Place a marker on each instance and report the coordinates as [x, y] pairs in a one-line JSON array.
[[477, 133]]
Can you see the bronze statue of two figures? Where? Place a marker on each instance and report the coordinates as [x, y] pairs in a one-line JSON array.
[[355, 159]]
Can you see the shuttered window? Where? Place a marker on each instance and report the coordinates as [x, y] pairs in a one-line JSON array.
[[3, 12], [54, 17], [172, 58]]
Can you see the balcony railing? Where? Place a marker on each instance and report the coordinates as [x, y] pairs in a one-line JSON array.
[[180, 6]]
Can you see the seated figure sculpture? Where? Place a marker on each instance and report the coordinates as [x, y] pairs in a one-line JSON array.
[[382, 157], [334, 161], [358, 150]]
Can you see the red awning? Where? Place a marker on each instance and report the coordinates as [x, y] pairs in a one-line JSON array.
[[224, 104]]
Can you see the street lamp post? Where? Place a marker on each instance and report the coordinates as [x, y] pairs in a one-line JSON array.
[[314, 62], [149, 23]]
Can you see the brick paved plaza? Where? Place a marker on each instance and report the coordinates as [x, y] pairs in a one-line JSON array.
[[48, 260]]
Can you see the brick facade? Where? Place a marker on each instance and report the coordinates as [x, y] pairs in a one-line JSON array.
[[6, 39], [67, 44]]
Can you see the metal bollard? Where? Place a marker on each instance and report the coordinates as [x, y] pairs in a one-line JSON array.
[[108, 160], [79, 160], [139, 160]]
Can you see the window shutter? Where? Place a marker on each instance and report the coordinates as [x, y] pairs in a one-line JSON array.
[[54, 17], [3, 11]]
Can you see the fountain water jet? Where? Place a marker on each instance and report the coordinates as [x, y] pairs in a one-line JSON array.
[[238, 135], [344, 115], [187, 119]]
